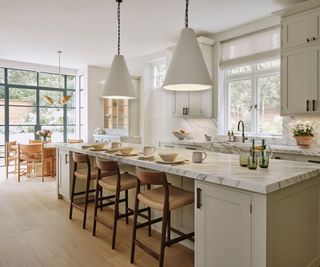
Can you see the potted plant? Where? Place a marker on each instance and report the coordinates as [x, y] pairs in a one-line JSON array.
[[45, 135], [303, 133]]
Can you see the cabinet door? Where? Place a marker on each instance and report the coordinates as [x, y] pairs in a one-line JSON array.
[[315, 25], [194, 103], [295, 31], [314, 69], [294, 81], [223, 227], [64, 174], [181, 102]]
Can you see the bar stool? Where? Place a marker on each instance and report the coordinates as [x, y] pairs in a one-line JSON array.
[[110, 178], [86, 174], [164, 198]]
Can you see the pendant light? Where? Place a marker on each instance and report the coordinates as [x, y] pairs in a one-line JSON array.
[[118, 84], [187, 70], [64, 99]]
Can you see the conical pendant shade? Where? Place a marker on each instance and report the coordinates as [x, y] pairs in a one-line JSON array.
[[187, 70], [118, 84]]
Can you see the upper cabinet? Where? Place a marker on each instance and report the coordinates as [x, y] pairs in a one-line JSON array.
[[196, 103], [300, 62], [301, 29], [122, 114]]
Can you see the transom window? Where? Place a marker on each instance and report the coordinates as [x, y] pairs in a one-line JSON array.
[[158, 73], [253, 96]]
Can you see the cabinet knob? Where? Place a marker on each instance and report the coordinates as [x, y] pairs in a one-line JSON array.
[[307, 108], [314, 38], [308, 40]]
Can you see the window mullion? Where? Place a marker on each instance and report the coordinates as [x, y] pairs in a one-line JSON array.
[[255, 95]]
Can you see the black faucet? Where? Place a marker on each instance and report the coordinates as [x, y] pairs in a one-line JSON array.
[[243, 137]]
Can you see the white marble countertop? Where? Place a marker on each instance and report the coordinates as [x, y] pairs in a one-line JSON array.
[[222, 169], [237, 147]]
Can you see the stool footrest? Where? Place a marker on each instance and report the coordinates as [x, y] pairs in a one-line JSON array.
[[83, 192], [147, 249], [180, 233], [140, 225], [180, 238]]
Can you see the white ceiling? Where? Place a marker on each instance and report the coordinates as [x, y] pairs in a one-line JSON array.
[[85, 30]]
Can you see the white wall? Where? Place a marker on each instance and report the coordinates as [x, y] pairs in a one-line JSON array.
[[94, 100]]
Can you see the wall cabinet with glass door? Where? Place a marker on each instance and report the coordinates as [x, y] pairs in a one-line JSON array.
[[116, 113], [122, 114]]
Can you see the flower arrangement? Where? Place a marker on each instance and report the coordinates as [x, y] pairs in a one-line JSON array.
[[303, 133], [303, 128], [45, 134]]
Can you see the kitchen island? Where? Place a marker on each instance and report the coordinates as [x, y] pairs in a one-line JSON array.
[[264, 217]]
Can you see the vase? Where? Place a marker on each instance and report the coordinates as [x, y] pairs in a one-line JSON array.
[[304, 141]]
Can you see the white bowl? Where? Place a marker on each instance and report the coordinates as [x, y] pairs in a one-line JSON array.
[[125, 150], [168, 156], [180, 135]]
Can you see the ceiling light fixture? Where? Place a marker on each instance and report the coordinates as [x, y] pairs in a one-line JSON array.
[[118, 84], [187, 70], [64, 99]]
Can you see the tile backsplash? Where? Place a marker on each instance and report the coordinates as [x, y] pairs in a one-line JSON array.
[[199, 127]]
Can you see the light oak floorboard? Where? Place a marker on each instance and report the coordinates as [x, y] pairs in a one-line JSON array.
[[35, 231]]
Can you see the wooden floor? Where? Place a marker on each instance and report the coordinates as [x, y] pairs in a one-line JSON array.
[[35, 231]]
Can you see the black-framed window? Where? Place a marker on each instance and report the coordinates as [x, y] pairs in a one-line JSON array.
[[24, 110]]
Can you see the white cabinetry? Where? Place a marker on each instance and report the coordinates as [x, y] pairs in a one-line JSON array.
[[246, 229], [196, 104], [300, 68], [301, 29], [223, 215], [63, 173]]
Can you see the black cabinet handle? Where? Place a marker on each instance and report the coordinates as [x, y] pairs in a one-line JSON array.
[[314, 38], [198, 198], [66, 159], [308, 40], [314, 161], [307, 105], [190, 148], [277, 157], [313, 105]]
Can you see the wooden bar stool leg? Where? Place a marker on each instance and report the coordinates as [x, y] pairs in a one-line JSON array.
[[86, 201], [163, 237], [115, 218], [168, 227], [96, 208], [127, 206], [101, 195], [72, 196], [134, 229], [149, 215], [149, 221]]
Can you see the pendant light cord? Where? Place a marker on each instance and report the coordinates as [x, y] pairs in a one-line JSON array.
[[118, 16], [186, 22]]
